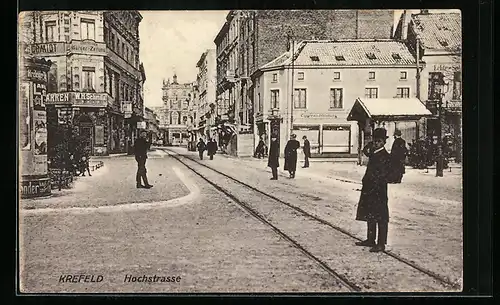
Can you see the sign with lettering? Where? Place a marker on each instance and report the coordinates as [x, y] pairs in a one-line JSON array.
[[325, 115], [35, 188], [87, 47], [141, 125], [80, 99], [446, 67], [46, 48], [39, 95], [36, 75]]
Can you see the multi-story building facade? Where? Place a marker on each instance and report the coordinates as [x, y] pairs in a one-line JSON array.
[[95, 71], [436, 38], [206, 95], [163, 120], [250, 39], [177, 98], [152, 124], [327, 78]]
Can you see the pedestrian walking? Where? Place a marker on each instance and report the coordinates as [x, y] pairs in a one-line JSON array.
[[211, 148], [274, 154], [291, 155], [373, 202], [307, 151], [141, 148], [85, 163], [398, 158], [201, 147], [259, 150]]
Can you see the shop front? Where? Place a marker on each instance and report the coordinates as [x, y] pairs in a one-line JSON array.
[[397, 113], [34, 180]]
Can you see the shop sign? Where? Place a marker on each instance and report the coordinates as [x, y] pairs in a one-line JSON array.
[[35, 188], [37, 75], [87, 47], [39, 95], [141, 125], [78, 99], [446, 67], [318, 115], [45, 48]]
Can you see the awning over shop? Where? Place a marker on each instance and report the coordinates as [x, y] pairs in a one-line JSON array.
[[388, 109]]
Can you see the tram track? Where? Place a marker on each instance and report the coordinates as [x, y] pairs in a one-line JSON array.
[[351, 285]]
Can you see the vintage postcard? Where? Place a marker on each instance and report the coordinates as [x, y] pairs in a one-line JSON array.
[[248, 151]]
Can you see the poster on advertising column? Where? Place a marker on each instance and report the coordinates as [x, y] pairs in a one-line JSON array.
[[40, 149], [25, 122]]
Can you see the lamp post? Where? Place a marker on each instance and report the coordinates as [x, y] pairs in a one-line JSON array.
[[290, 40], [439, 159]]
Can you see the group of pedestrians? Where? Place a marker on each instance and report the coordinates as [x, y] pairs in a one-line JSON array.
[[210, 147], [290, 155], [382, 168]]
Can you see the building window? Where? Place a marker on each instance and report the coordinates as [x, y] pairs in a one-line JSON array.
[[403, 75], [300, 76], [336, 75], [275, 77], [403, 92], [300, 98], [457, 86], [371, 92], [87, 29], [371, 75], [50, 31], [336, 101], [275, 99], [88, 78]]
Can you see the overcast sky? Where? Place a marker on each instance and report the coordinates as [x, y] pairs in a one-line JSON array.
[[174, 41]]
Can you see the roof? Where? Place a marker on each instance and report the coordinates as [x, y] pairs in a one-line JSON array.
[[395, 108], [385, 52], [441, 31]]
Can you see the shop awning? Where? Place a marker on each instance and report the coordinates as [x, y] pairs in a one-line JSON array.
[[388, 109]]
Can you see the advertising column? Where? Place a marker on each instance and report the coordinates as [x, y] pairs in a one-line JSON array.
[[35, 181]]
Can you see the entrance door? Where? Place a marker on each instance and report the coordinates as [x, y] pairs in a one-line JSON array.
[[87, 133]]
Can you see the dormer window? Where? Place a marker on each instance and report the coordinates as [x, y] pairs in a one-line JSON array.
[[396, 56], [314, 58], [371, 56], [339, 58]]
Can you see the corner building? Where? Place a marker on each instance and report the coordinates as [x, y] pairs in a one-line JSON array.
[[95, 72], [251, 39]]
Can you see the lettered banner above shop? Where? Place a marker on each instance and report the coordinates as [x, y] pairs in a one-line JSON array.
[[79, 99]]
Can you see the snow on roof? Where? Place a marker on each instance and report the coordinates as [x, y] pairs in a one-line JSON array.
[[442, 31], [367, 52], [390, 107]]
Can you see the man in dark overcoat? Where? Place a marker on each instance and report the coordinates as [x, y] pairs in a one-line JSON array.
[[211, 148], [398, 158], [201, 147], [372, 206], [307, 151], [141, 148], [291, 155], [274, 154]]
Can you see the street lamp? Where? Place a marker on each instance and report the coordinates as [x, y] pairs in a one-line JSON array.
[[439, 159], [290, 37]]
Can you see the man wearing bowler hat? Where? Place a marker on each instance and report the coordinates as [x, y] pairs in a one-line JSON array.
[[372, 206], [398, 157]]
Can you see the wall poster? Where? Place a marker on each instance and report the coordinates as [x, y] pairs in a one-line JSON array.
[[40, 123], [99, 134], [25, 115]]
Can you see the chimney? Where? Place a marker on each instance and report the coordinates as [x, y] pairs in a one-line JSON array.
[[404, 25], [424, 11]]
